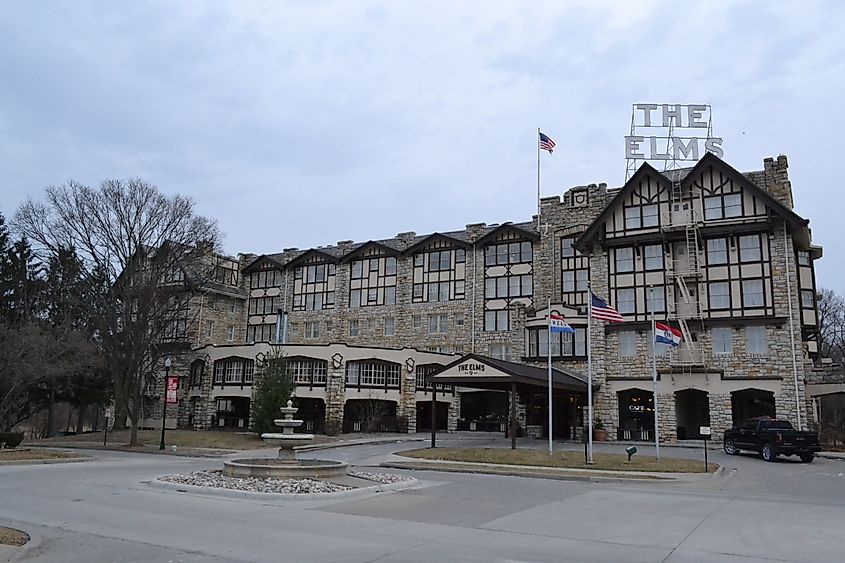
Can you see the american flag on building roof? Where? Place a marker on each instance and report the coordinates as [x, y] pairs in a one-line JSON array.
[[546, 143], [604, 312]]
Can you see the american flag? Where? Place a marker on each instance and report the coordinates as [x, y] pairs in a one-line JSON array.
[[604, 312], [546, 143]]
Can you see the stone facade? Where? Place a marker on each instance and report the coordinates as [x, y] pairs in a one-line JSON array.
[[434, 325]]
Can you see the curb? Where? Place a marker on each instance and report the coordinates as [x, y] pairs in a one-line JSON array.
[[232, 493], [33, 543], [77, 459], [561, 474], [99, 447], [346, 444], [831, 455]]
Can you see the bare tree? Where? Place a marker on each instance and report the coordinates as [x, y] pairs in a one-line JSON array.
[[147, 251], [831, 307]]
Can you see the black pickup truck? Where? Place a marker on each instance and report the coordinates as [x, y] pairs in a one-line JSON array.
[[771, 438]]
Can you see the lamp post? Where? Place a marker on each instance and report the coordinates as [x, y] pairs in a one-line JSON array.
[[164, 403]]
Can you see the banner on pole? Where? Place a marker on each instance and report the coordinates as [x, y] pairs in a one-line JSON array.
[[172, 387]]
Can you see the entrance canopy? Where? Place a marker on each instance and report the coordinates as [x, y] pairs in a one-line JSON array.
[[482, 372]]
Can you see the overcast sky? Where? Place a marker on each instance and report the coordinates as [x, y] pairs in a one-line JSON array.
[[304, 123]]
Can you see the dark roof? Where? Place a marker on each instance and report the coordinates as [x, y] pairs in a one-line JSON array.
[[519, 373], [527, 229], [357, 249], [329, 254], [437, 236], [749, 181]]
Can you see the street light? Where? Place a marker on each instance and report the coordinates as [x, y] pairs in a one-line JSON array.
[[164, 402]]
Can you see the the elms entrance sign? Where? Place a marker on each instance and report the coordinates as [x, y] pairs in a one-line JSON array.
[[670, 132]]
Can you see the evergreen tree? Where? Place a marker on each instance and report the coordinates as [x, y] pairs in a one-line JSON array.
[[274, 387]]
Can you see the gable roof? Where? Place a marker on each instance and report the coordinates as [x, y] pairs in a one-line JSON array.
[[325, 256], [666, 178], [252, 266], [433, 237], [361, 248], [645, 170], [530, 234]]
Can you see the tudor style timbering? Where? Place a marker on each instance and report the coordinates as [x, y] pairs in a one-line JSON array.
[[710, 245]]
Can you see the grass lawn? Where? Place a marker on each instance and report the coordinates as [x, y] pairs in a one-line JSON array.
[[12, 537], [571, 460], [180, 438], [25, 454]]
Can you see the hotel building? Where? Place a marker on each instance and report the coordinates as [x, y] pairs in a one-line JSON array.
[[717, 253]]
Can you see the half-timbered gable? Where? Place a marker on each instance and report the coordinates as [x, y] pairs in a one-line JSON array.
[[508, 273], [439, 266], [314, 275], [373, 275], [266, 279]]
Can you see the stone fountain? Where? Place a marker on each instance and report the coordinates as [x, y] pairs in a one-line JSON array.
[[285, 465]]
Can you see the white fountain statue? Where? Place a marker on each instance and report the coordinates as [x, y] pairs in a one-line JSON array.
[[285, 465]]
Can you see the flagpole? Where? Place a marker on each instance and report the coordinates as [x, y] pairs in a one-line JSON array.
[[654, 372], [549, 332], [538, 180], [589, 375]]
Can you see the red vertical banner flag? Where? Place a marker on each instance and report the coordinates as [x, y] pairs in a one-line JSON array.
[[172, 387]]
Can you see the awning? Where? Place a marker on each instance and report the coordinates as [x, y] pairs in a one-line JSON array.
[[483, 372]]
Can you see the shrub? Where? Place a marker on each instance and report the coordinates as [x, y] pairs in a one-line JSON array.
[[10, 439], [273, 387]]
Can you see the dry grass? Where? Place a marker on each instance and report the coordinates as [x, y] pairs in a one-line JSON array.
[[564, 459], [15, 538], [211, 439], [32, 455]]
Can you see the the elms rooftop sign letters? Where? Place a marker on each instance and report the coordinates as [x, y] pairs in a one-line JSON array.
[[671, 132]]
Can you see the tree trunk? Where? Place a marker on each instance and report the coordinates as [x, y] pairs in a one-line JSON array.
[[134, 419], [80, 418]]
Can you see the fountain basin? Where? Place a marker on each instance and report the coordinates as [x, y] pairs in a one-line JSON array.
[[287, 441], [274, 468]]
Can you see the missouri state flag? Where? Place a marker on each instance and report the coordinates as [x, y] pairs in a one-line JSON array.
[[665, 334], [558, 324]]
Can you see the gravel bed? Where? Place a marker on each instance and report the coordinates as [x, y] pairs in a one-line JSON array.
[[252, 484], [383, 478]]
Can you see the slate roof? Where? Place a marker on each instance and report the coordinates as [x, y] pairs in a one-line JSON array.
[[523, 374]]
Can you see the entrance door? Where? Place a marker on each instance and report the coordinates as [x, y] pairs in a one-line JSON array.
[[692, 410]]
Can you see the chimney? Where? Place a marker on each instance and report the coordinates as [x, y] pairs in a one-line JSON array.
[[776, 179]]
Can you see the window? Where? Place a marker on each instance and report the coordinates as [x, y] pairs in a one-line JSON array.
[[312, 329], [632, 218], [438, 324], [625, 301], [372, 374], [755, 340], [567, 248], [624, 259], [720, 295], [803, 258], [496, 320], [752, 293], [313, 287], [373, 282], [417, 321], [263, 305], [390, 266], [233, 306], [353, 327], [390, 295], [438, 291], [749, 248], [306, 371], [389, 326], [261, 333], [563, 344], [209, 329], [265, 279], [717, 251], [459, 319], [653, 257], [723, 206], [650, 215], [355, 298], [657, 299], [627, 344], [508, 253], [422, 373], [733, 205], [233, 371], [722, 341], [230, 333], [500, 351], [807, 298]]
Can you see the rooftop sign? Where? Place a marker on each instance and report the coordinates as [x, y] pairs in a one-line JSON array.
[[670, 133]]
